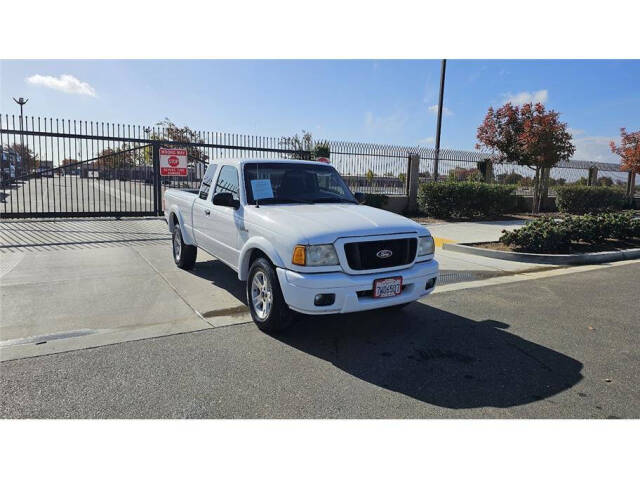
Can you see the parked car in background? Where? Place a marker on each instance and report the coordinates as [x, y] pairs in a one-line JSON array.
[[9, 159], [8, 174], [300, 239]]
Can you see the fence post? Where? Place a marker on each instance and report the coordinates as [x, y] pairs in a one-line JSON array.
[[490, 175], [157, 186], [486, 169], [593, 176], [413, 172], [631, 185]]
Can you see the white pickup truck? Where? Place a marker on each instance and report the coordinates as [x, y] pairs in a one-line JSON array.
[[300, 239]]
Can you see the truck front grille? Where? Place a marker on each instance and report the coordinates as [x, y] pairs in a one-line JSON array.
[[366, 255]]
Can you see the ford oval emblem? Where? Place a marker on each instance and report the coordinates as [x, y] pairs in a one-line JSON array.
[[384, 253]]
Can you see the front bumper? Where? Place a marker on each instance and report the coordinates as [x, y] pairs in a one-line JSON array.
[[300, 289]]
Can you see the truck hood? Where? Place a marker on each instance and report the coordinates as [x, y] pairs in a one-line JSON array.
[[326, 222]]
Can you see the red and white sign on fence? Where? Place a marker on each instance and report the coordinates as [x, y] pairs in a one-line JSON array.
[[173, 162]]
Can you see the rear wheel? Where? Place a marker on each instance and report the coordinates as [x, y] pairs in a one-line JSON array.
[[264, 297], [184, 255]]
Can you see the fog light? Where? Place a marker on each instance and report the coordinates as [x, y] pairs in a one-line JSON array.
[[430, 284], [324, 299]]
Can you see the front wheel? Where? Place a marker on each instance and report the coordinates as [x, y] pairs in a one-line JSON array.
[[264, 297], [184, 254]]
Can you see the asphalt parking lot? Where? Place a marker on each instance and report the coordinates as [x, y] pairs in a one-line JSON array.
[[564, 346], [73, 193]]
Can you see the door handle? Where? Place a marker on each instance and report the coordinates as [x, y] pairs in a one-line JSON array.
[[207, 212]]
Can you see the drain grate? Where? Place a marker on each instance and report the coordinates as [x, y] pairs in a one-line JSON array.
[[457, 277]]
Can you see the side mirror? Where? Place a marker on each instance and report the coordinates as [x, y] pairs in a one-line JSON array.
[[360, 197], [225, 199]]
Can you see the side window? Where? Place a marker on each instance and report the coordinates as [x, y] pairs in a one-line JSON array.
[[228, 182], [328, 182], [207, 179]]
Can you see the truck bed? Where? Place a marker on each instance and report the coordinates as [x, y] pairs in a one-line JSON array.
[[184, 199]]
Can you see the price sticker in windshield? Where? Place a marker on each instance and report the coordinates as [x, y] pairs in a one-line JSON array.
[[261, 189]]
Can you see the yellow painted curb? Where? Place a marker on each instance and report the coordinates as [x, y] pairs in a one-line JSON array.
[[440, 241]]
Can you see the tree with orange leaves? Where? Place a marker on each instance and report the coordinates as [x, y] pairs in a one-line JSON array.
[[529, 136], [628, 151]]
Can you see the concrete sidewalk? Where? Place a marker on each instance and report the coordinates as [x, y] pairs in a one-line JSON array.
[[73, 284], [471, 231]]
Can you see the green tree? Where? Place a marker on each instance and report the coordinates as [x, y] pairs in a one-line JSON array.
[[370, 175], [169, 131], [301, 145], [321, 150], [29, 160]]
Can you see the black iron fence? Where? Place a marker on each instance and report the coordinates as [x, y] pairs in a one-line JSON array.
[[52, 167], [64, 168]]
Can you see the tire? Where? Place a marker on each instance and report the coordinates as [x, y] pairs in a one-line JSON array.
[[184, 255], [264, 297]]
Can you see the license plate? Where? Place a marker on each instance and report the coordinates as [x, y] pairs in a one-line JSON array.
[[387, 287]]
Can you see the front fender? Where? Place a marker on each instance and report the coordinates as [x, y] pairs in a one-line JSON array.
[[261, 244], [186, 232]]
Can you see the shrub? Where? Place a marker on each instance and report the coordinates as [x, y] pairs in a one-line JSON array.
[[589, 199], [588, 228], [375, 200], [465, 199], [548, 235], [541, 235], [622, 225]]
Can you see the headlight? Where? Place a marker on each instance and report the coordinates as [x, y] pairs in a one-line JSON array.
[[315, 255], [425, 245]]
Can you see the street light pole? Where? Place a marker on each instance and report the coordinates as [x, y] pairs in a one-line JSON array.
[[21, 101], [439, 127]]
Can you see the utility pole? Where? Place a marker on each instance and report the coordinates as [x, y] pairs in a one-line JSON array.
[[439, 127]]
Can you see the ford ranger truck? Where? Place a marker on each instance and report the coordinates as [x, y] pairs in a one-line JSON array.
[[300, 239]]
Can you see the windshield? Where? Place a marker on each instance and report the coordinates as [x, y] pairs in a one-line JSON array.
[[296, 183]]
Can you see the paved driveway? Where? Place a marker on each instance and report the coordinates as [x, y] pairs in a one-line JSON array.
[[76, 284]]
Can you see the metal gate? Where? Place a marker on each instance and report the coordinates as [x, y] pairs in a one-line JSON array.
[[64, 168]]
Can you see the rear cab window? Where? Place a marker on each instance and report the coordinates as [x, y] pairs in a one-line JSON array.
[[207, 179]]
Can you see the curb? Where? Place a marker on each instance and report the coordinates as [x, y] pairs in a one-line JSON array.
[[578, 258]]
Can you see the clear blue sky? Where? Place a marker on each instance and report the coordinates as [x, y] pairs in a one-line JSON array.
[[371, 101]]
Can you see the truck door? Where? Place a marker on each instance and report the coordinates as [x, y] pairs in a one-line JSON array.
[[201, 211], [225, 231]]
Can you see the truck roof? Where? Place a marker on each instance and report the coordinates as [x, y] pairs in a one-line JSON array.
[[241, 161]]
